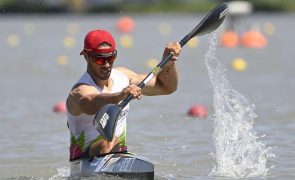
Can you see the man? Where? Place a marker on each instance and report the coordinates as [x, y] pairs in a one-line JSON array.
[[102, 84]]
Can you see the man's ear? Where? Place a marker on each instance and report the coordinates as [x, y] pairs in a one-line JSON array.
[[86, 56]]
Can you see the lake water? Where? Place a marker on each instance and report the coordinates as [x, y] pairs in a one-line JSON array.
[[38, 69]]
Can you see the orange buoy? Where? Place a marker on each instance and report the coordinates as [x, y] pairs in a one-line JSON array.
[[198, 111], [253, 39], [229, 39], [59, 107], [125, 24]]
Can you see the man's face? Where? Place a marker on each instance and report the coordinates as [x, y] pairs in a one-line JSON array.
[[101, 64]]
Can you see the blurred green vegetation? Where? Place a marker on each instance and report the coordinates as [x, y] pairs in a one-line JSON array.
[[273, 5], [205, 5], [171, 6], [81, 6]]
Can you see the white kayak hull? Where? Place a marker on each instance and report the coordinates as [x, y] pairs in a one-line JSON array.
[[123, 165]]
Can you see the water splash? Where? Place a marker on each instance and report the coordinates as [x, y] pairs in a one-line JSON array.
[[239, 152], [62, 173]]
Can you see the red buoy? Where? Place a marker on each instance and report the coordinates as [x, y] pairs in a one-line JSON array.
[[125, 24], [198, 111], [59, 107]]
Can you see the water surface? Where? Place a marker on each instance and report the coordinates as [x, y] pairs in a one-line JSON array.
[[34, 140]]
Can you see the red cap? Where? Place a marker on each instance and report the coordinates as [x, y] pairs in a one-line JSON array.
[[95, 38]]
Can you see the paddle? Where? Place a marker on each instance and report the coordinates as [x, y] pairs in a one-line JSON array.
[[105, 120]]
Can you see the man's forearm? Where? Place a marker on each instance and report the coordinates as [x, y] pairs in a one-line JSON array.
[[169, 77], [90, 104]]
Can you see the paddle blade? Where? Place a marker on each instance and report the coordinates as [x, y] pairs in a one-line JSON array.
[[209, 23], [105, 120], [213, 20]]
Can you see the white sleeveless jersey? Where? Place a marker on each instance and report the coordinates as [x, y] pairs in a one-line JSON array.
[[81, 126]]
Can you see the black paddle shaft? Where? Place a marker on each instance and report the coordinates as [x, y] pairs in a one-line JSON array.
[[211, 22]]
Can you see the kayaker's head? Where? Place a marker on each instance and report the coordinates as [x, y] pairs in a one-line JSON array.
[[100, 53], [94, 39]]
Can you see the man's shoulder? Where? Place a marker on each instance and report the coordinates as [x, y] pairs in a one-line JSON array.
[[121, 69], [82, 88], [127, 72], [81, 85]]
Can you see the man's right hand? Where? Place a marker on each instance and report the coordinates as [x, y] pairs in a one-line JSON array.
[[132, 89]]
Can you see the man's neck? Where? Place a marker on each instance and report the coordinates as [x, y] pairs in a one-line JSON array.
[[99, 82]]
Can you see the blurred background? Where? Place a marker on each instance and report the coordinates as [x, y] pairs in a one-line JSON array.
[[40, 42], [116, 6]]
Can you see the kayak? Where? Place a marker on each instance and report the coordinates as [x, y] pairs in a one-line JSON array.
[[125, 165]]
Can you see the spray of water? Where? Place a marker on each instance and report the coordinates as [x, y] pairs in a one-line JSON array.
[[239, 152], [62, 173]]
